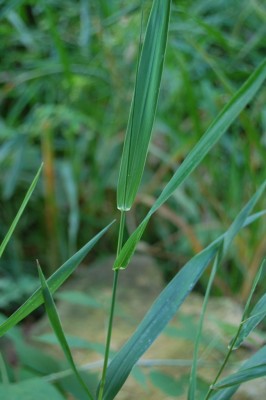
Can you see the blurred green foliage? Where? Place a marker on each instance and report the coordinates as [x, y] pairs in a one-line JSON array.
[[66, 79]]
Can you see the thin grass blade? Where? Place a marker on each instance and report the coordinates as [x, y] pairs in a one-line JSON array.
[[208, 140], [20, 211], [143, 105], [237, 224], [166, 305], [58, 330], [242, 376], [257, 278], [193, 374], [161, 312], [249, 323], [54, 282], [258, 358], [132, 242], [232, 345], [257, 314]]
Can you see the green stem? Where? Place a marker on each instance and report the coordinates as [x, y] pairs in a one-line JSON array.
[[112, 309], [193, 374], [211, 389]]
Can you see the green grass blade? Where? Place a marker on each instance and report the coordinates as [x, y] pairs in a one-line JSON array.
[[242, 376], [233, 342], [20, 211], [155, 320], [208, 140], [143, 105], [257, 314], [215, 131], [193, 374], [54, 282], [257, 278], [129, 247], [166, 305], [58, 330], [248, 324], [237, 224], [258, 358]]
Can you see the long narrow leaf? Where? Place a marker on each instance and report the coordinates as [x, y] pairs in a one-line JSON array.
[[20, 211], [58, 330], [166, 305], [54, 282], [235, 342], [208, 140], [143, 105], [256, 280], [248, 324], [161, 312], [258, 358], [242, 376], [132, 242], [193, 374], [256, 316]]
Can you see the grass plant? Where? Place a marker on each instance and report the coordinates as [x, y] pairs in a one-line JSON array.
[[117, 368]]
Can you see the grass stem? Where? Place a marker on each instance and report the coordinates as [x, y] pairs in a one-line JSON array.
[[112, 309], [211, 389], [193, 374]]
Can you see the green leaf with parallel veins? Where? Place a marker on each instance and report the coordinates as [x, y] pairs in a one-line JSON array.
[[143, 105], [58, 330], [257, 359], [20, 211], [215, 131], [242, 376], [167, 303], [257, 314], [54, 282]]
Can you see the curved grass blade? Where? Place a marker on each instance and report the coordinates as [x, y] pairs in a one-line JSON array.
[[232, 345], [256, 280], [166, 305], [208, 140], [242, 376], [58, 330], [258, 358], [54, 282], [161, 312], [257, 314], [143, 107], [248, 324], [20, 211]]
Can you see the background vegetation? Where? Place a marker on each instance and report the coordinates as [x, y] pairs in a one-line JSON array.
[[67, 73]]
